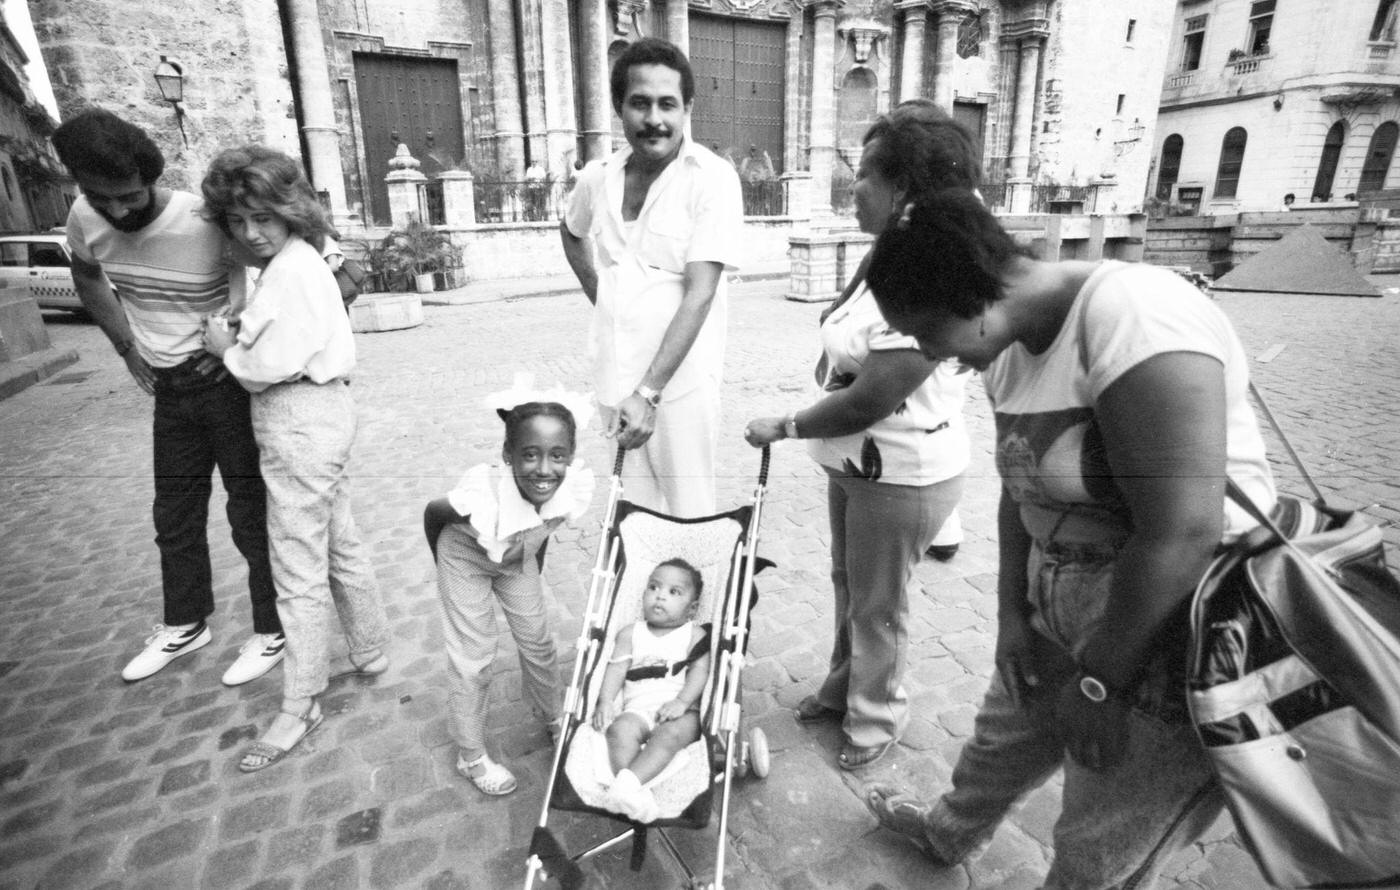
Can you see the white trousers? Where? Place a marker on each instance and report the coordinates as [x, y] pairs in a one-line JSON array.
[[674, 471]]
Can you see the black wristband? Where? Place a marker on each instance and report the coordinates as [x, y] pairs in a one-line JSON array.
[[123, 347]]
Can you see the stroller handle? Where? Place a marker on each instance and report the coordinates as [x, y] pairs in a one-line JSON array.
[[762, 466]]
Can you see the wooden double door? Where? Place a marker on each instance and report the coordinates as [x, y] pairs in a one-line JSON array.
[[739, 80]]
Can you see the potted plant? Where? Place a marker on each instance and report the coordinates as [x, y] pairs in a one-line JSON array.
[[418, 250]]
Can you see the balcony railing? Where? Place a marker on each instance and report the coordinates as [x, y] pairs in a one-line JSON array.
[[1181, 79], [1246, 65]]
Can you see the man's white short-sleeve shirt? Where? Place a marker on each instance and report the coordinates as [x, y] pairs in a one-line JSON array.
[[694, 212]]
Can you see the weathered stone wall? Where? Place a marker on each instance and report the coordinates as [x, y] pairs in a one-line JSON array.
[[1080, 133], [1216, 244], [104, 53]]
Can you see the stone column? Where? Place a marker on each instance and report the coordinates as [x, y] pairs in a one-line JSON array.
[[532, 64], [950, 16], [792, 96], [1005, 108], [317, 107], [1028, 77], [403, 182], [506, 103], [561, 135], [458, 198], [593, 60], [678, 24], [823, 132], [911, 71]]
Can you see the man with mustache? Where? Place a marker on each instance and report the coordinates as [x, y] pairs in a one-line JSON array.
[[650, 232], [150, 269]]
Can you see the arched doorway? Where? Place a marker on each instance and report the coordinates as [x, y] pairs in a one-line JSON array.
[[1378, 155], [1327, 166], [1170, 167]]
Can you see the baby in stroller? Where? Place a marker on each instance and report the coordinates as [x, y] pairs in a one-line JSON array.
[[659, 666]]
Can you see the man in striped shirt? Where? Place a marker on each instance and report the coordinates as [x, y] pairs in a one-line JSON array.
[[150, 269]]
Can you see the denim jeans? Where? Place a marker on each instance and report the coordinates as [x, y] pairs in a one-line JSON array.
[[319, 562], [879, 532], [198, 426], [1118, 826]]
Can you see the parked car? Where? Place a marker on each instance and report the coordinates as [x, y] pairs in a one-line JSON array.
[[39, 264]]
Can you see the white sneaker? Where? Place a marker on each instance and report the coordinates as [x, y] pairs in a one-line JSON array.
[[164, 646], [260, 654]]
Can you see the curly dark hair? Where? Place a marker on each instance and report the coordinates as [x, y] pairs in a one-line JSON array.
[[256, 174], [920, 148], [946, 256], [650, 51], [96, 142], [515, 418], [696, 581]]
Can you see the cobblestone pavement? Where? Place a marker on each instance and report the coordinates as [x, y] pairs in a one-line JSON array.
[[135, 786]]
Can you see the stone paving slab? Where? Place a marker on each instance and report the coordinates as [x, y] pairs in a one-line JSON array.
[[107, 785]]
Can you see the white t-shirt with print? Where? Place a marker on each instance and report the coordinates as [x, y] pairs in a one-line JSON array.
[[1050, 451]]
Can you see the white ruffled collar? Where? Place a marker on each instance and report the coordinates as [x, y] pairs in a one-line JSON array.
[[489, 496]]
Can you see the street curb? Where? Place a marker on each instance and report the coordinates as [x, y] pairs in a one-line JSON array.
[[22, 373]]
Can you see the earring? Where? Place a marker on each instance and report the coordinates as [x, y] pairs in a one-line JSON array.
[[982, 324]]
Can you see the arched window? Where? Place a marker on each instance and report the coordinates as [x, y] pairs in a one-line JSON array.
[[970, 36], [1170, 166], [1227, 175], [1378, 156], [1327, 167]]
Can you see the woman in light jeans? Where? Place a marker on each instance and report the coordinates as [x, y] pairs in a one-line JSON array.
[[889, 432], [292, 348]]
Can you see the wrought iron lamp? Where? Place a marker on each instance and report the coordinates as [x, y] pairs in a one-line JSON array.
[[170, 80]]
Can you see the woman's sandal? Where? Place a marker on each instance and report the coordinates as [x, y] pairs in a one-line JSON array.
[[376, 665], [261, 754], [809, 710], [857, 756], [905, 815], [494, 778]]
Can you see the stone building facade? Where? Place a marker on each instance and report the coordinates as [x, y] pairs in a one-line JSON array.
[[34, 194], [1263, 99], [1060, 92]]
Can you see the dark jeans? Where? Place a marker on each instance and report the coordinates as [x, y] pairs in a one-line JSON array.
[[200, 425]]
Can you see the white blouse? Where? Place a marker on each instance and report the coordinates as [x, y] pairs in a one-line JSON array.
[[294, 324], [924, 440]]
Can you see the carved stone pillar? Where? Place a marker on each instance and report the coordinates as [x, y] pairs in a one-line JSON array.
[[911, 71], [823, 132], [317, 107], [950, 17], [506, 101], [402, 182], [561, 136], [533, 67], [593, 30], [1026, 80], [793, 93], [678, 24]]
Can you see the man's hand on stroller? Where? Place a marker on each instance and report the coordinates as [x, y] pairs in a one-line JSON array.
[[631, 422], [603, 715]]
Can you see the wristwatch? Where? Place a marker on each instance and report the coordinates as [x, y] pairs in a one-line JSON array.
[[1092, 688], [651, 396], [123, 347], [790, 427]]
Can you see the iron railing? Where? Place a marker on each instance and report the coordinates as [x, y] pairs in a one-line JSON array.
[[763, 197], [536, 200]]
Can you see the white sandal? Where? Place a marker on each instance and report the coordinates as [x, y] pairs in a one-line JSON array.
[[494, 778]]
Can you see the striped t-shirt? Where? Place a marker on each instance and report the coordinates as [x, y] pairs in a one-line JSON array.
[[170, 276]]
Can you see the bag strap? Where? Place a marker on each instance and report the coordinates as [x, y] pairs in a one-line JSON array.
[[1287, 445]]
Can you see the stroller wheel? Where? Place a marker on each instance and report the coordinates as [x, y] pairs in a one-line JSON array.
[[758, 756]]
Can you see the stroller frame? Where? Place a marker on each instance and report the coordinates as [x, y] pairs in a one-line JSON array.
[[728, 645]]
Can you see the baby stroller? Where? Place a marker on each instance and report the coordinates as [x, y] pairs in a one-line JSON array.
[[723, 548]]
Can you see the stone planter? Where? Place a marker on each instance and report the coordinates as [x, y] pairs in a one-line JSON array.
[[424, 282]]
